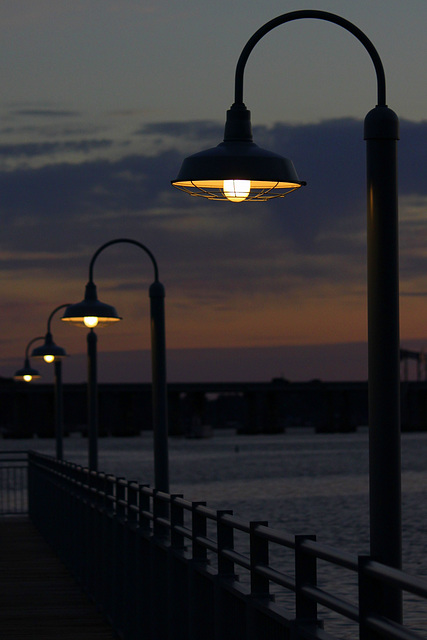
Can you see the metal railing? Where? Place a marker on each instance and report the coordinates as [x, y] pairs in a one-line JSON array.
[[159, 566], [13, 482]]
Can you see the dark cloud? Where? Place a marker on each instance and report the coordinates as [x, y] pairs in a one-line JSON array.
[[46, 113], [36, 149], [64, 206], [201, 130]]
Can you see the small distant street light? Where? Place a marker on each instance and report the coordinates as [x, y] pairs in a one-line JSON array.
[[27, 373], [90, 312], [50, 352], [218, 173]]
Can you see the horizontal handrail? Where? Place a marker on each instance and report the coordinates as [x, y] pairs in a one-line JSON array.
[[396, 577], [390, 629], [330, 554], [332, 602]]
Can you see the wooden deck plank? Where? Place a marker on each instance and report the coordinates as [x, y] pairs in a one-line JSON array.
[[38, 597]]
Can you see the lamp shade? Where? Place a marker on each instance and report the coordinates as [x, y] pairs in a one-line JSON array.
[[27, 373], [90, 312], [237, 169], [49, 351]]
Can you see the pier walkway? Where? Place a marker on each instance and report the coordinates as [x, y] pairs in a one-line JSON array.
[[38, 597]]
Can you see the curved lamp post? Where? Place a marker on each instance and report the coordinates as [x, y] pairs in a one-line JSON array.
[[50, 352], [237, 158], [91, 312], [27, 373]]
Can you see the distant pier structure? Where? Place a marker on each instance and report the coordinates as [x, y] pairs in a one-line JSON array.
[[421, 364], [198, 409]]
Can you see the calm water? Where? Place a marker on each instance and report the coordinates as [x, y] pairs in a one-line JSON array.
[[300, 482]]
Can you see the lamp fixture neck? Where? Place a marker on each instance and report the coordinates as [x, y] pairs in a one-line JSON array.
[[90, 292], [238, 124]]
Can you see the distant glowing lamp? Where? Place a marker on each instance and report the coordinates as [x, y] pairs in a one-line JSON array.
[[90, 312], [49, 351], [27, 373]]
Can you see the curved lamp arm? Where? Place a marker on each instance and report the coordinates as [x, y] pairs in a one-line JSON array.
[[129, 241], [29, 345], [62, 306], [308, 13]]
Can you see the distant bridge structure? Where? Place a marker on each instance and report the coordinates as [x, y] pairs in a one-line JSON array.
[[195, 409], [421, 363]]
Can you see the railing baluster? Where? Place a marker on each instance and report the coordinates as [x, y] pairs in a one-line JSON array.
[[305, 574], [199, 528], [225, 538], [177, 520], [259, 556]]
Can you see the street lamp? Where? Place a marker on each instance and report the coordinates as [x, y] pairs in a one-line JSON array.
[[27, 373], [90, 313], [50, 352], [227, 161]]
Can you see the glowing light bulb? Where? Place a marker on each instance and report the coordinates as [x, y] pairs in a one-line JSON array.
[[236, 190], [28, 378], [90, 321], [48, 358]]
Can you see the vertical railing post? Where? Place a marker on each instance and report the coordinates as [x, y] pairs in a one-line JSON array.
[[144, 593], [259, 556], [109, 544], [199, 529], [92, 538], [305, 574], [31, 487], [82, 542], [130, 573], [159, 543], [100, 552], [178, 588], [199, 558], [370, 598], [177, 520], [260, 585], [118, 573], [160, 512], [225, 539], [226, 574], [144, 508]]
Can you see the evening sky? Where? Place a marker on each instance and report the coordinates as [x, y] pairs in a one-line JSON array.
[[102, 100]]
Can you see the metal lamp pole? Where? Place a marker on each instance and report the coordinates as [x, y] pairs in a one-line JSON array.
[[204, 173], [50, 352], [91, 307], [92, 399]]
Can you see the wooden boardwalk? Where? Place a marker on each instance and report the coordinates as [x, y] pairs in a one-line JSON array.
[[38, 597]]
